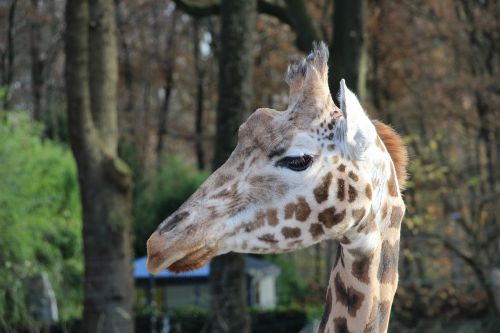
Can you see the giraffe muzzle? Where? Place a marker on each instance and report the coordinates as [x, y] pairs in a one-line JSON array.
[[178, 255]]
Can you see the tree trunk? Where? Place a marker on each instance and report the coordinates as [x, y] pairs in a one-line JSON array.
[[229, 307], [168, 72], [37, 63], [349, 52], [200, 91], [302, 24], [8, 57], [105, 180]]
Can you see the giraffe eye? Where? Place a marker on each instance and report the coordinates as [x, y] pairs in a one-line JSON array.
[[295, 163]]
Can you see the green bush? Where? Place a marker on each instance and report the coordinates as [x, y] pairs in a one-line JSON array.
[[291, 287], [194, 320], [159, 195], [40, 220]]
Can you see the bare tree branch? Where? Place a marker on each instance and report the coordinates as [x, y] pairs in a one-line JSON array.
[[294, 14]]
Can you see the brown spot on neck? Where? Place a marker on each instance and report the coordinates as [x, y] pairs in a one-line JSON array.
[[388, 267], [379, 316], [361, 265], [396, 217], [340, 325], [392, 188], [348, 296], [326, 312]]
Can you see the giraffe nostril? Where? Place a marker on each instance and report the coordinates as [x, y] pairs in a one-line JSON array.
[[172, 222]]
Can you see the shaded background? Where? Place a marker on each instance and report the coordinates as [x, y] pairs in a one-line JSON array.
[[146, 96]]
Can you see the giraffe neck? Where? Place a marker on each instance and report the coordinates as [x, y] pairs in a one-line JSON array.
[[364, 278]]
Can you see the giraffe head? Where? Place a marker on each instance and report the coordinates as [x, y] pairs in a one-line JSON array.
[[295, 177]]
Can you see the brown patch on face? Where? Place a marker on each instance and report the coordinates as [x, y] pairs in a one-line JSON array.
[[268, 184], [222, 179], [254, 159], [290, 232], [388, 267], [341, 189], [341, 168], [302, 212], [391, 185], [321, 192], [326, 312], [316, 230], [351, 298], [353, 176], [396, 149], [330, 147], [268, 238], [300, 209], [368, 191], [340, 325], [352, 194], [253, 225], [272, 217], [289, 210], [336, 159], [240, 167], [396, 217], [361, 265], [329, 218], [231, 192], [173, 222], [294, 243]]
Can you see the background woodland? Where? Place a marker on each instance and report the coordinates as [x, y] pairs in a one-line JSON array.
[[431, 69]]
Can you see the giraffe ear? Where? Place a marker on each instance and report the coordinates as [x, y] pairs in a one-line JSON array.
[[359, 131]]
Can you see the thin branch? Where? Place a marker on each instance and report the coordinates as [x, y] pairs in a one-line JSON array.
[[263, 7]]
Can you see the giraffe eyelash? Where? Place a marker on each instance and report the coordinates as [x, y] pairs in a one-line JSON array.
[[295, 163]]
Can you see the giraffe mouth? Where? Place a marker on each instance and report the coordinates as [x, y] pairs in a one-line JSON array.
[[178, 258], [193, 260]]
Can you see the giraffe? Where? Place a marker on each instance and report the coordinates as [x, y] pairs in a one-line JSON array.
[[312, 172]]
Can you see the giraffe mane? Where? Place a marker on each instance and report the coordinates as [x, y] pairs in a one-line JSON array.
[[396, 149]]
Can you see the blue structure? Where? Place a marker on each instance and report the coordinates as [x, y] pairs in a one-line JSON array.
[[141, 274], [174, 290]]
